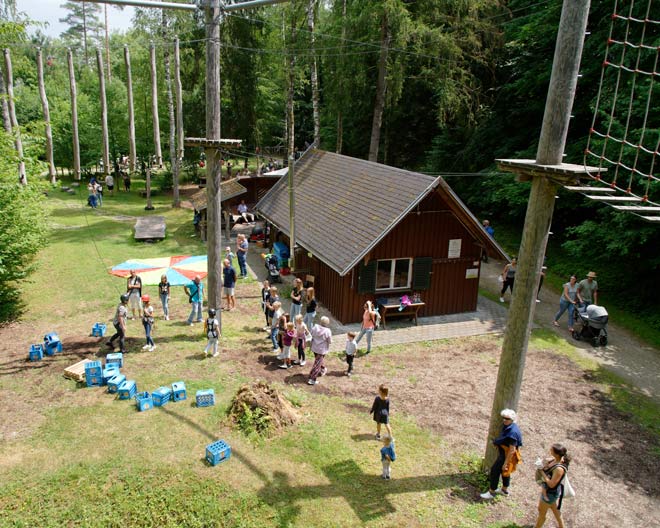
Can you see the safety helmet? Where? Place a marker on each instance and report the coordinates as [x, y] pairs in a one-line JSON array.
[[145, 298], [124, 298], [212, 312]]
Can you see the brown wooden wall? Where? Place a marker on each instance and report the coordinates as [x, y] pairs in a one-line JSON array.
[[418, 235], [256, 188]]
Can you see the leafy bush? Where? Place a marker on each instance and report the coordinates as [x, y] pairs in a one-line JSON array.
[[253, 422]]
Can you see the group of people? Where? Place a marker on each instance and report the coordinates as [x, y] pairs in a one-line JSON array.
[[552, 472], [575, 295]]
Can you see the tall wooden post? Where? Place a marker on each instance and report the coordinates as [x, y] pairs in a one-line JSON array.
[[154, 105], [292, 214], [107, 42], [44, 106], [174, 166], [6, 121], [74, 115], [18, 142], [213, 169], [104, 113], [311, 15], [179, 119], [546, 178], [132, 154], [149, 206]]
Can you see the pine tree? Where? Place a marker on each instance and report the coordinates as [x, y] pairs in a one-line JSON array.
[[84, 24]]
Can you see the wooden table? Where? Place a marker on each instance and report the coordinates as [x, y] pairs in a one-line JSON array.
[[391, 310]]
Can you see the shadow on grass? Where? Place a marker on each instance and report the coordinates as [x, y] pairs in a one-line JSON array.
[[190, 423]]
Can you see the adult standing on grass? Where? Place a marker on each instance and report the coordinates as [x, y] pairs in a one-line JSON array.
[[588, 289], [553, 483], [127, 181], [229, 282], [320, 345], [508, 277], [368, 325], [310, 307], [164, 293], [508, 445], [569, 298], [296, 298], [241, 254], [119, 323], [110, 183], [195, 292], [134, 290]]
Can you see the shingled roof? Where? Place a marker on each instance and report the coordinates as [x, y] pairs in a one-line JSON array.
[[228, 188], [345, 206]]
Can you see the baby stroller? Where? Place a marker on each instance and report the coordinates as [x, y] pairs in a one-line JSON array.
[[273, 269], [593, 324]]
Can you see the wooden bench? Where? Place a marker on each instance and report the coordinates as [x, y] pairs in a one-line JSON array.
[[391, 311]]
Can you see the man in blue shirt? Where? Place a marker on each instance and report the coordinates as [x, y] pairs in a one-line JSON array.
[[229, 282], [195, 292], [491, 233]]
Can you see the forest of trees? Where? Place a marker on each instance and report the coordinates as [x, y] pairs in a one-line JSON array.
[[439, 86]]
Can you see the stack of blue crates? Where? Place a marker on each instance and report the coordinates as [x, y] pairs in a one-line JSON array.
[[115, 382], [144, 401], [127, 390], [179, 391], [116, 357], [36, 352], [217, 452], [110, 371], [94, 374], [52, 344], [161, 396], [205, 398], [98, 330]]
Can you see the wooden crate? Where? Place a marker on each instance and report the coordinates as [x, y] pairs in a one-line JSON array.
[[77, 372]]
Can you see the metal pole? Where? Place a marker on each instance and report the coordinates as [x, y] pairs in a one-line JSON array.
[[185, 7], [292, 215], [561, 93]]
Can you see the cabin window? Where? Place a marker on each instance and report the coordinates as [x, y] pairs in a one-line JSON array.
[[393, 274]]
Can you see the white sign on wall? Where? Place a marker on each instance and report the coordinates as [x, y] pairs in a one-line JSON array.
[[472, 273], [454, 248]]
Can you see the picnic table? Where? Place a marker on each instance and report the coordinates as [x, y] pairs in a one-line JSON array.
[[148, 228], [392, 309]]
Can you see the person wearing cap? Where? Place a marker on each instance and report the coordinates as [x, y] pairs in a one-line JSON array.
[[508, 444], [588, 289], [195, 292]]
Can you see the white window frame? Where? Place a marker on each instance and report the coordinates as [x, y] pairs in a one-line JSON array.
[[392, 262]]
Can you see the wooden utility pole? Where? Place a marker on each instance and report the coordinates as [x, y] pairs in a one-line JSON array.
[[132, 153], [149, 206], [174, 166], [154, 105], [104, 113], [311, 16], [44, 105], [74, 115], [547, 172], [292, 214], [179, 120], [291, 77], [18, 142]]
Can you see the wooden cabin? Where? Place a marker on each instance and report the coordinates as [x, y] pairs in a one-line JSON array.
[[369, 231]]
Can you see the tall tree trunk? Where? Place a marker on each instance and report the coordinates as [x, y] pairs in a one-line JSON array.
[[340, 116], [179, 119], [170, 109], [104, 113], [132, 154], [84, 15], [18, 142], [381, 88], [154, 105], [311, 15], [107, 42], [46, 110], [291, 136], [74, 116], [6, 120]]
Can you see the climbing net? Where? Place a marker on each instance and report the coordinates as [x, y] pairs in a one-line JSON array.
[[625, 133]]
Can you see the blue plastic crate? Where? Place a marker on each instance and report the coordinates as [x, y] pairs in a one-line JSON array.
[[52, 344], [93, 380], [144, 401], [115, 382], [179, 391], [116, 357], [98, 330], [36, 352], [217, 452], [161, 396], [127, 390], [94, 368], [205, 398], [110, 371]]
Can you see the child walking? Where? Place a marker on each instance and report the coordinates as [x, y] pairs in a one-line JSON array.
[[387, 456], [212, 329], [148, 322], [381, 410], [229, 255], [302, 333], [265, 296], [351, 348], [287, 340]]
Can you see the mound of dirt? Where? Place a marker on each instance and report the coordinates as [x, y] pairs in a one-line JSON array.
[[262, 407]]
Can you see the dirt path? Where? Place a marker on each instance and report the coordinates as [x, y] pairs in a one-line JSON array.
[[636, 362]]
